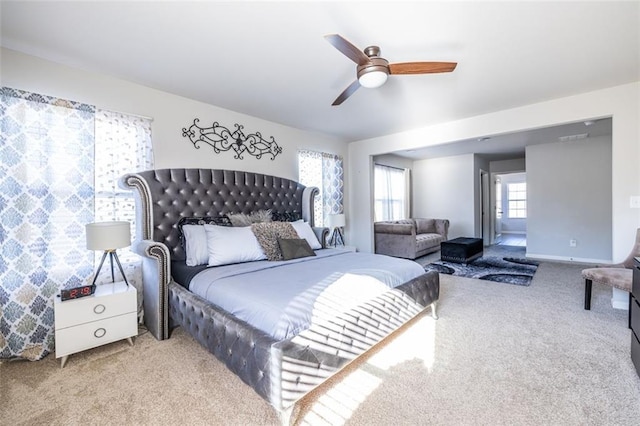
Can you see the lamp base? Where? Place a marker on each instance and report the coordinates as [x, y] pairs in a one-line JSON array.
[[335, 237], [112, 255]]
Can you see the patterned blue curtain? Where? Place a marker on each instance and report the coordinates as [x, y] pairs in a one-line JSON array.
[[326, 172], [46, 198]]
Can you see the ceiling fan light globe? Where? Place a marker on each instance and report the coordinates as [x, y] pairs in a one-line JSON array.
[[373, 79]]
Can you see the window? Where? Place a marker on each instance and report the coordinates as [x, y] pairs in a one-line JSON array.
[[59, 166], [390, 188], [517, 200], [122, 145], [324, 171]]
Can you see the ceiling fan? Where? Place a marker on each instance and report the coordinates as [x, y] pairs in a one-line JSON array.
[[372, 70]]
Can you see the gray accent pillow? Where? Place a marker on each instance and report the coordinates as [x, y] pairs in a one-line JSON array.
[[295, 248], [242, 219], [267, 234]]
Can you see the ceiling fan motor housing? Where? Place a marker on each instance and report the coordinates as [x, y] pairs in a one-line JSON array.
[[373, 74]]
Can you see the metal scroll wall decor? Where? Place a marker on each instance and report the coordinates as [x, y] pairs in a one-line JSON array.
[[222, 139]]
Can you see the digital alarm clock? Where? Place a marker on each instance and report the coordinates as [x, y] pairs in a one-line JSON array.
[[77, 292]]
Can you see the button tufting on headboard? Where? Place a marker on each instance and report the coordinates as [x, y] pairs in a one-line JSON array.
[[177, 193]]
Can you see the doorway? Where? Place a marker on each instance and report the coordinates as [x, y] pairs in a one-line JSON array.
[[510, 209]]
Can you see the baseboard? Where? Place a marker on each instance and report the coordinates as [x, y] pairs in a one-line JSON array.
[[568, 259]]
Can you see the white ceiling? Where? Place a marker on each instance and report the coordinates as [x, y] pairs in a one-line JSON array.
[[270, 60], [512, 145]]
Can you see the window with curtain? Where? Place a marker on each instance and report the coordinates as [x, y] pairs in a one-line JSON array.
[[123, 145], [324, 171], [50, 183], [391, 199]]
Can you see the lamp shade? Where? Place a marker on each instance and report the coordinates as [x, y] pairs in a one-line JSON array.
[[336, 220], [108, 235]]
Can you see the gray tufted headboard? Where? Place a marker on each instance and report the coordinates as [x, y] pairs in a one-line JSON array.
[[171, 194]]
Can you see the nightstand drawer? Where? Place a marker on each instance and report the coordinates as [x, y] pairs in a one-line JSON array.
[[635, 315], [97, 333], [635, 352], [635, 286], [109, 300]]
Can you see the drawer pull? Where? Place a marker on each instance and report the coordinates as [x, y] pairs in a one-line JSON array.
[[98, 309], [100, 332]]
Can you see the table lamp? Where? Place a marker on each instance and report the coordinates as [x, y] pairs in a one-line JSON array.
[[336, 221], [108, 236]]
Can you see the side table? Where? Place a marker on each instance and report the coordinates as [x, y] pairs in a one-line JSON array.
[[110, 314]]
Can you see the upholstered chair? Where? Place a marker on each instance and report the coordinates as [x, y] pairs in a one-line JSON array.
[[618, 275]]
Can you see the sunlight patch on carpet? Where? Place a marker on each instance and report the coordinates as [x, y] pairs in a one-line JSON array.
[[337, 405]]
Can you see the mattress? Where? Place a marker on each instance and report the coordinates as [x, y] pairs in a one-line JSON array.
[[282, 298]]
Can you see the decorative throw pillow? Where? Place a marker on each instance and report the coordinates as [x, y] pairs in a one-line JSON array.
[[242, 219], [286, 216], [227, 244], [295, 248], [304, 231], [194, 239], [267, 235]]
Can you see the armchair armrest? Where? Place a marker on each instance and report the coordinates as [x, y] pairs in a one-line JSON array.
[[156, 275], [442, 228]]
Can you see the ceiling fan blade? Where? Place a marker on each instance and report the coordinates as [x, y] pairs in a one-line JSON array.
[[348, 49], [347, 92], [421, 67]]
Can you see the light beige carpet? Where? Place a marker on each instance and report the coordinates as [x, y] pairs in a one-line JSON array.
[[500, 354]]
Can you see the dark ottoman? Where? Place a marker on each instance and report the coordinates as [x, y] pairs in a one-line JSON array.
[[461, 250]]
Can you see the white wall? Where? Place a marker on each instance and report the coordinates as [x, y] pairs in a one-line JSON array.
[[170, 113], [508, 166], [620, 102], [479, 165], [569, 198], [443, 188]]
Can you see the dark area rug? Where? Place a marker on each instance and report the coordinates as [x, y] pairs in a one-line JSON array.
[[511, 270]]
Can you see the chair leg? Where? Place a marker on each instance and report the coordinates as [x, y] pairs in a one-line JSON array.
[[587, 294]]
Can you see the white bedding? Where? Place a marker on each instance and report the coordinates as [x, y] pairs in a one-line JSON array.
[[283, 298]]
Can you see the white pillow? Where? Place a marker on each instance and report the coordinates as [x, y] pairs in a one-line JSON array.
[[304, 231], [195, 241], [230, 244]]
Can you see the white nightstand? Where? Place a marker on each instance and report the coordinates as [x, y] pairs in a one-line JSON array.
[[110, 314]]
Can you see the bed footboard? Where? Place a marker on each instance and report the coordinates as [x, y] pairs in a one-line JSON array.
[[244, 349], [284, 371]]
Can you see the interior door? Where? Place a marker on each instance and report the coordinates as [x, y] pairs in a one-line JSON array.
[[498, 210]]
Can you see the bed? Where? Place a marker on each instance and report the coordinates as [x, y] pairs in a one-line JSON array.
[[282, 363]]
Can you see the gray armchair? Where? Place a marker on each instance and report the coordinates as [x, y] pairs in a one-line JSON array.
[[410, 238]]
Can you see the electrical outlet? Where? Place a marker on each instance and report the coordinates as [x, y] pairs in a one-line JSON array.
[[634, 201], [573, 243]]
